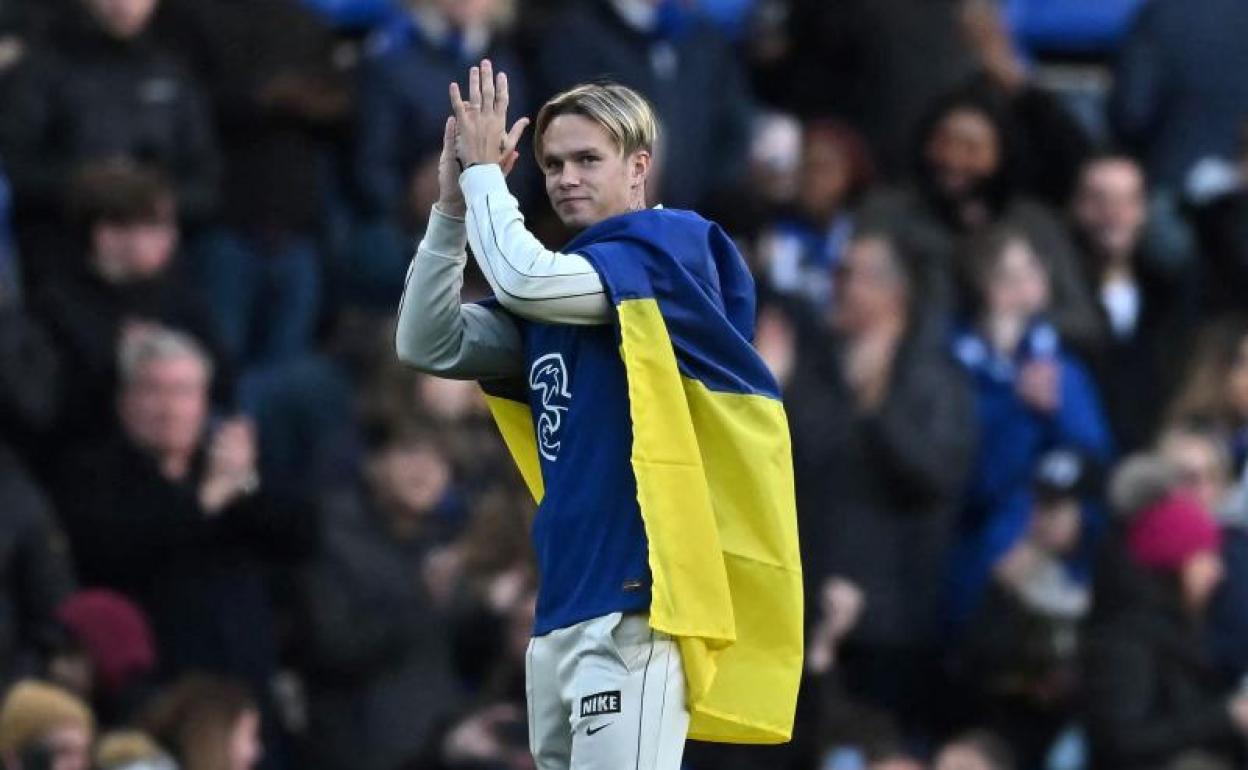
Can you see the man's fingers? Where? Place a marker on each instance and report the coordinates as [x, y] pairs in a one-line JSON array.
[[517, 131], [474, 87], [457, 102], [448, 136], [503, 96], [487, 85]]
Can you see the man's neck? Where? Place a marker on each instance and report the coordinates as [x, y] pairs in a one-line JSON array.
[[175, 466]]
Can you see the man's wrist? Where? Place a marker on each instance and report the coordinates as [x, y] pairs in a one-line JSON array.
[[456, 209]]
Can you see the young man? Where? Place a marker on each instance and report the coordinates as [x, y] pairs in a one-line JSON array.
[[623, 380]]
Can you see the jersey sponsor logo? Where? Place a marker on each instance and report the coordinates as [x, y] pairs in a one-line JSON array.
[[601, 703], [548, 378]]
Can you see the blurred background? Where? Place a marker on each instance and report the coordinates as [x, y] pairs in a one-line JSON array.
[[1001, 250]]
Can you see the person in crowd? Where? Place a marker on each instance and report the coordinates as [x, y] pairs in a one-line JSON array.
[[966, 182], [109, 659], [46, 727], [172, 512], [1213, 394], [100, 89], [35, 570], [802, 247], [682, 63], [124, 217], [1220, 217], [879, 414], [131, 750], [209, 723], [975, 750], [1153, 698], [1020, 655], [398, 127], [1177, 97], [880, 63], [374, 648], [1203, 464], [279, 105], [1051, 142], [1032, 394], [1143, 312]]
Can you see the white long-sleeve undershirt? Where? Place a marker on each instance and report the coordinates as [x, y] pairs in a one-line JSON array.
[[527, 278]]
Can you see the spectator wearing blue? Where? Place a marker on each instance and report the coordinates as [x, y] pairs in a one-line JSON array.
[[803, 246], [99, 88], [399, 125], [1020, 657], [1032, 395], [682, 63]]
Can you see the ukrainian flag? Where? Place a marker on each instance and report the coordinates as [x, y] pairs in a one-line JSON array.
[[713, 465]]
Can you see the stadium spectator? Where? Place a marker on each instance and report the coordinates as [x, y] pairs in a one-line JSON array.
[[966, 181], [802, 247], [878, 64], [373, 642], [45, 726], [1032, 394], [171, 512], [879, 414], [100, 89], [1143, 312], [35, 569], [209, 723], [1021, 655], [1153, 696], [687, 69], [278, 103], [125, 224], [400, 116], [1220, 217]]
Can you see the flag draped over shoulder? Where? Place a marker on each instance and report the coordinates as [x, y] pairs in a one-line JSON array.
[[713, 465]]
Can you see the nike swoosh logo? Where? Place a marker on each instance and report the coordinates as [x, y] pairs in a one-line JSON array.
[[598, 729]]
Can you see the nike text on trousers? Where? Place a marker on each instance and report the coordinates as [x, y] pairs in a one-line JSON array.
[[606, 694]]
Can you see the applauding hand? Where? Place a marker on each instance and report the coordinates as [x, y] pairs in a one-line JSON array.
[[481, 121]]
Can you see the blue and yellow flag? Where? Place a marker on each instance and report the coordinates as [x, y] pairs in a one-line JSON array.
[[713, 466]]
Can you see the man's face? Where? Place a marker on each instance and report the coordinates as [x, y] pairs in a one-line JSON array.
[[1109, 207], [963, 152], [1018, 284], [165, 407], [413, 479], [588, 179], [122, 19], [125, 253], [824, 177]]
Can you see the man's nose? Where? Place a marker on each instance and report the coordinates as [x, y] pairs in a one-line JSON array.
[[569, 179]]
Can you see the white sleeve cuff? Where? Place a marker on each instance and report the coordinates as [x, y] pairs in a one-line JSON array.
[[445, 235], [482, 179]]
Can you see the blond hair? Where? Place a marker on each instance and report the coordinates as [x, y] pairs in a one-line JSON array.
[[623, 113], [33, 709]]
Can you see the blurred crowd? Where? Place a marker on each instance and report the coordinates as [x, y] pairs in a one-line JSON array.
[[1001, 249]]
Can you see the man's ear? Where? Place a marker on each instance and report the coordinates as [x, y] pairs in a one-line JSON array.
[[639, 167]]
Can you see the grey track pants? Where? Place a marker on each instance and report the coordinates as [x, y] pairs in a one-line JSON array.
[[606, 694]]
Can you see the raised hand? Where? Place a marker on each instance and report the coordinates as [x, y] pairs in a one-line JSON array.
[[481, 122]]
